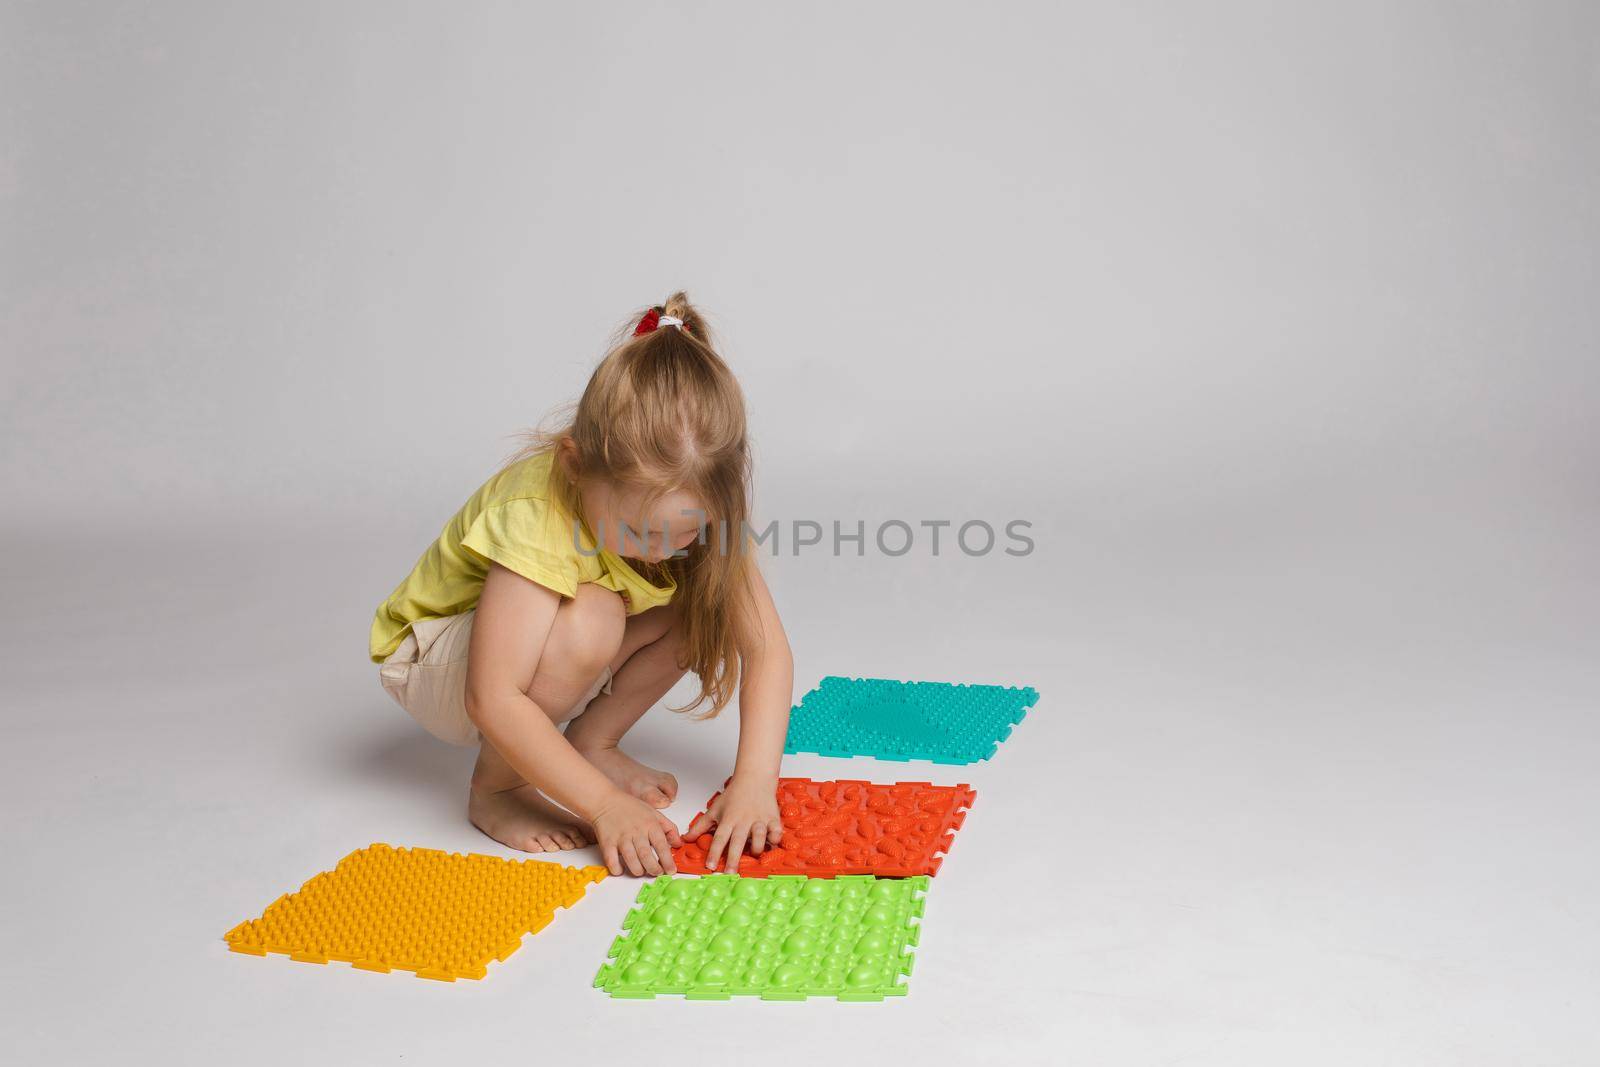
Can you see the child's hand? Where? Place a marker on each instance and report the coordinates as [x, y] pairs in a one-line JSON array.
[[634, 835], [744, 812]]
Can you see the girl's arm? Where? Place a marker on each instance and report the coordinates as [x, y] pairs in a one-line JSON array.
[[514, 619], [747, 810]]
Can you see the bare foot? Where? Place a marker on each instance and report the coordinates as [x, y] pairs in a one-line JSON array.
[[524, 819], [655, 788]]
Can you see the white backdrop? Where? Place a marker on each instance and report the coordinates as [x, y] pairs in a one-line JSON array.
[[1276, 321]]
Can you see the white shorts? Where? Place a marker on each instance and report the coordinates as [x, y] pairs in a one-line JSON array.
[[427, 675]]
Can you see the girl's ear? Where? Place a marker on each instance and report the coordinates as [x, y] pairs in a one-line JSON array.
[[567, 456]]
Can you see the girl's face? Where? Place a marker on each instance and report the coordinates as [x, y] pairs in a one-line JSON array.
[[621, 522]]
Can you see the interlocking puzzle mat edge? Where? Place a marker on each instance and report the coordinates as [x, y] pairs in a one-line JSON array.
[[612, 980], [245, 937], [928, 863], [1022, 698]]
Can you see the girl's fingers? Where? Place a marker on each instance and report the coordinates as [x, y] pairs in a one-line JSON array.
[[736, 842], [706, 821], [758, 838], [774, 831], [719, 840], [608, 853], [658, 841], [630, 857], [646, 849], [670, 832]]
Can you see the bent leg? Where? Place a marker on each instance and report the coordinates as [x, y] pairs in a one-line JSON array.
[[646, 666], [586, 636]]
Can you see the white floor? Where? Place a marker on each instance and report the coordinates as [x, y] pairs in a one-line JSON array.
[[1330, 808], [1270, 316]]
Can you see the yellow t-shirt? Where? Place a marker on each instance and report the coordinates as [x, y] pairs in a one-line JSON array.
[[514, 520]]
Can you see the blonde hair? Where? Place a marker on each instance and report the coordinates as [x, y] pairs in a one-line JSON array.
[[662, 412]]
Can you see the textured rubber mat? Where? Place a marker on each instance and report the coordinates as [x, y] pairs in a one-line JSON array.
[[441, 914], [781, 938], [849, 827], [889, 720]]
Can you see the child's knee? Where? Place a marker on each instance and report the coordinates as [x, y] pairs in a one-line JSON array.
[[588, 630]]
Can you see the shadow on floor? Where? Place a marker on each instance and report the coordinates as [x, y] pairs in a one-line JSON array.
[[401, 756]]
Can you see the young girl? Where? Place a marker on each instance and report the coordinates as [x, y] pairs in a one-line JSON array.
[[576, 586]]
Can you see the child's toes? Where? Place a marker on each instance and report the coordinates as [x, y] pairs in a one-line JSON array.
[[655, 797], [668, 786]]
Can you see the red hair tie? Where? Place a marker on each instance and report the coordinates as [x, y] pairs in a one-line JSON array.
[[653, 318]]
